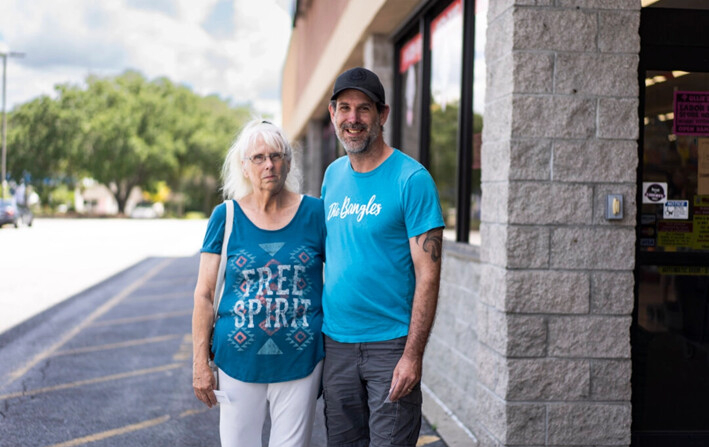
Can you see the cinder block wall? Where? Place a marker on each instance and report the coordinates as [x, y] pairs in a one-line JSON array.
[[532, 341], [450, 366]]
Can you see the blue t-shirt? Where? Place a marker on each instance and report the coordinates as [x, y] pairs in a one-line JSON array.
[[369, 279], [270, 315]]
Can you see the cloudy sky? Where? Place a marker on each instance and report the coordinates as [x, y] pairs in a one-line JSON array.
[[232, 48]]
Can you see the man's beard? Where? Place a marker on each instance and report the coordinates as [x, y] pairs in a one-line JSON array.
[[358, 146]]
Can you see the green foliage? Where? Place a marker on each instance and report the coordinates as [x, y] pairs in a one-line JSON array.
[[40, 141], [126, 131], [61, 195], [444, 156], [443, 152], [195, 215]]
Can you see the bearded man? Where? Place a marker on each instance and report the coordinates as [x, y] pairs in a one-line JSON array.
[[383, 251]]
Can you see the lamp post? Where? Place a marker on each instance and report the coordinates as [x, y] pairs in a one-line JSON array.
[[4, 56]]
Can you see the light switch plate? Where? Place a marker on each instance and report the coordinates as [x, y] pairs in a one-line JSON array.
[[614, 206]]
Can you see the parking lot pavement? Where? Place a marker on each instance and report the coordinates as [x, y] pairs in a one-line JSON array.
[[57, 258], [112, 366]]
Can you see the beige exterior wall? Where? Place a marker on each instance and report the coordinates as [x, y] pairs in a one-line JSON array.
[[315, 23]]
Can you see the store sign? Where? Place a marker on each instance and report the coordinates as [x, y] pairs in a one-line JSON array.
[[691, 113], [454, 12], [654, 192], [676, 209], [410, 54], [675, 234], [447, 55], [702, 166], [684, 270], [701, 223], [647, 242]]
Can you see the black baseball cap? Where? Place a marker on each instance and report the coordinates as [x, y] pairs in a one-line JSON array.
[[360, 79]]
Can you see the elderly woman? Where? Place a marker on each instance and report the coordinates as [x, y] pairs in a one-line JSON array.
[[267, 341]]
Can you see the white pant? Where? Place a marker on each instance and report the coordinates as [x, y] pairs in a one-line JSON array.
[[292, 409]]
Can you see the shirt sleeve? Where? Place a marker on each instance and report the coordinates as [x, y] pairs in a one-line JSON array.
[[215, 231], [422, 207]]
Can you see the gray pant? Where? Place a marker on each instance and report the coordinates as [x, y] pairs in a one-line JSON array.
[[356, 382]]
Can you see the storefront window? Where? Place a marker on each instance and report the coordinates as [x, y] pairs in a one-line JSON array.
[[437, 118], [670, 331], [446, 59], [478, 108], [675, 174], [410, 64]]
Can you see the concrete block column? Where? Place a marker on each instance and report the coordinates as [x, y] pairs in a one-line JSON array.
[[310, 156], [556, 292]]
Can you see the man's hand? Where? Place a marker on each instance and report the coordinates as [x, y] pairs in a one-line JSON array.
[[426, 252], [407, 375]]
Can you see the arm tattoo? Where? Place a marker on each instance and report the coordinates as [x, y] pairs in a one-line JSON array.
[[431, 244]]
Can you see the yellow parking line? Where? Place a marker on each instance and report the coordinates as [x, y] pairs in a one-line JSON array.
[[90, 319], [142, 318], [176, 279], [185, 350], [124, 344], [111, 433], [426, 440], [193, 412], [160, 297], [65, 386], [127, 429]]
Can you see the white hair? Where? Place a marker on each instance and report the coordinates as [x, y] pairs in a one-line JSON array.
[[236, 185]]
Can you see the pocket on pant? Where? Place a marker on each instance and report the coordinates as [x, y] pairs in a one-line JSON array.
[[407, 419], [407, 423]]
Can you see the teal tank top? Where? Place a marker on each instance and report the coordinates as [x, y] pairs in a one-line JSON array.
[[270, 316]]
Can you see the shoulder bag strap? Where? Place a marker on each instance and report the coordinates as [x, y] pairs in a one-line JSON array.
[[219, 289]]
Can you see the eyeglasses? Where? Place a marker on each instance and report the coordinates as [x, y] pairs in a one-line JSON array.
[[260, 158]]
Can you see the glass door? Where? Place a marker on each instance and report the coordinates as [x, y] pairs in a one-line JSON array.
[[670, 335]]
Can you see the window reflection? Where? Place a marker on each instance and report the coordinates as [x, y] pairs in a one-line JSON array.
[[478, 107], [430, 85], [446, 58], [410, 70]]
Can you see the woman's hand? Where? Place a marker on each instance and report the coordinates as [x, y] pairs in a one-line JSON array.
[[203, 380], [203, 383]]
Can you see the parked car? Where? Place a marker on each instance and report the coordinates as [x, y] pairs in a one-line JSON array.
[[148, 210], [11, 213]]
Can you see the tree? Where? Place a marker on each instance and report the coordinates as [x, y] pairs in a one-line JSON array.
[[207, 129], [124, 132], [42, 137]]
